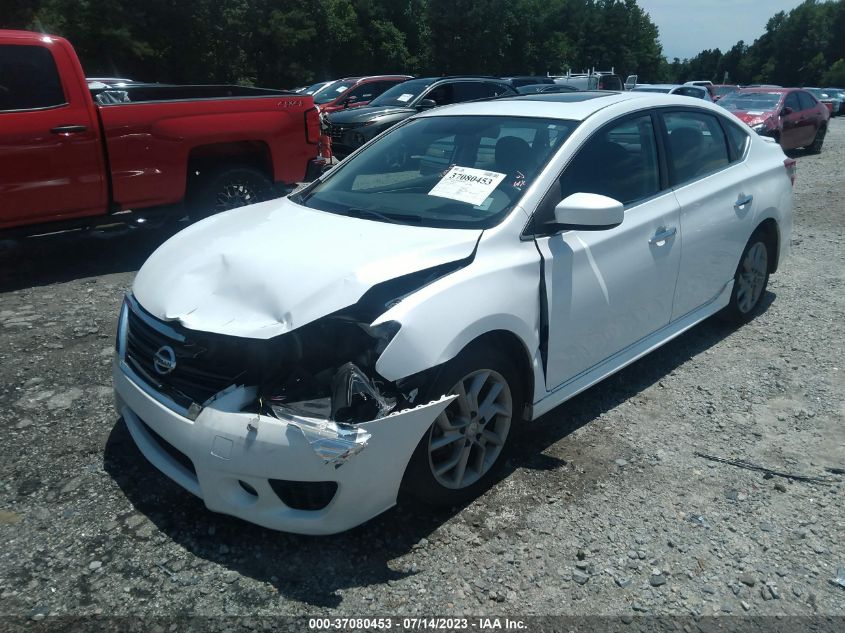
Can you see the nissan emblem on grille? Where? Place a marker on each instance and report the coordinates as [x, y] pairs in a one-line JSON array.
[[164, 360]]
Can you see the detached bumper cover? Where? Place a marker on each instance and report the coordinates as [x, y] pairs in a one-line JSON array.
[[228, 448]]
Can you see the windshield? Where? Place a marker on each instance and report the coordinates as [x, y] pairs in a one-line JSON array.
[[332, 91], [445, 171], [402, 94], [724, 90], [751, 101], [310, 90]]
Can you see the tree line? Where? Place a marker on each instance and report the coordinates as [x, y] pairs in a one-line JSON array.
[[287, 43], [805, 47]]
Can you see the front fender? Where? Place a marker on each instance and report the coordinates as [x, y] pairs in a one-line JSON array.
[[499, 290]]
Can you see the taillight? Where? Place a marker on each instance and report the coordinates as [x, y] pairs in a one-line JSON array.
[[791, 167], [312, 125]]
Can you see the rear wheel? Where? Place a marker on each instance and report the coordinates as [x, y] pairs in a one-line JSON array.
[[816, 146], [228, 188], [750, 280], [461, 452]]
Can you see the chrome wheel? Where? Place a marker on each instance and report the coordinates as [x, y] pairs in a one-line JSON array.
[[235, 195], [467, 438], [752, 277]]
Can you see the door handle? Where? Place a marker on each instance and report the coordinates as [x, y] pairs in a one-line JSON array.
[[742, 201], [662, 235], [68, 129]]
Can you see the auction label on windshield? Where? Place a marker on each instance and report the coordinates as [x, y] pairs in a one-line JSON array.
[[466, 184]]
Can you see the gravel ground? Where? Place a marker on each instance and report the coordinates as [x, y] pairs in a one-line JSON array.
[[604, 508]]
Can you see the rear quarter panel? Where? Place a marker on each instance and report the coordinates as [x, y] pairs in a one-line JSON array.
[[149, 143], [773, 194]]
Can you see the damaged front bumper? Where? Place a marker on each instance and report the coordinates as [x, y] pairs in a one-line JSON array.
[[295, 474]]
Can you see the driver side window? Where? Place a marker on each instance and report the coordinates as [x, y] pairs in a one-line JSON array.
[[619, 161]]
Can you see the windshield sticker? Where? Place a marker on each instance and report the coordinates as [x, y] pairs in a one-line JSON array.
[[404, 97], [466, 184]]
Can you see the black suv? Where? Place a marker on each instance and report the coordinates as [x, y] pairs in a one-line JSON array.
[[352, 128]]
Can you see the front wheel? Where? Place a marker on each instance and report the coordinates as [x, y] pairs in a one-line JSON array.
[[750, 280], [461, 452]]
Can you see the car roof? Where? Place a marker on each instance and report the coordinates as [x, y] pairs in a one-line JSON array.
[[376, 78], [778, 90], [564, 105]]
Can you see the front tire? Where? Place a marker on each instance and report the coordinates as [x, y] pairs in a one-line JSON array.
[[460, 454], [750, 280]]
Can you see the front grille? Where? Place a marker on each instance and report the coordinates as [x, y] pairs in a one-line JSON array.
[[304, 495], [205, 364], [338, 132]]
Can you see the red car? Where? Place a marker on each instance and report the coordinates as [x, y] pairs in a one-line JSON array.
[[353, 92], [791, 116], [722, 90], [71, 157]]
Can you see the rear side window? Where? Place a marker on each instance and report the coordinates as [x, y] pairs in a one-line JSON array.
[[469, 90], [738, 140], [28, 78], [696, 145], [807, 100]]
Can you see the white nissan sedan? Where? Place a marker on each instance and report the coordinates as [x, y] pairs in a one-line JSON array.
[[389, 327]]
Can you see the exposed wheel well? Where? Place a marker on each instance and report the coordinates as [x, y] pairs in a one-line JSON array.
[[515, 349], [769, 229], [254, 154]]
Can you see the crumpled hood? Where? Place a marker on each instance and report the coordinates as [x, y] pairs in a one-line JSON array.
[[753, 117], [266, 269], [366, 113]]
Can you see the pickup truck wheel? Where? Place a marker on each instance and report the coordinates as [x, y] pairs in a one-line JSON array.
[[816, 146], [228, 188], [467, 444]]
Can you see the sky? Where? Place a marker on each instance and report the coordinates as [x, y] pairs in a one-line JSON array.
[[687, 27]]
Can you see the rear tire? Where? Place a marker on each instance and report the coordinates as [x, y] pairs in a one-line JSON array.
[[816, 146], [750, 280], [227, 188], [459, 455]]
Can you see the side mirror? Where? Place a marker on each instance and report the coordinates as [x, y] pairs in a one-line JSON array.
[[348, 101], [786, 111], [589, 212], [426, 104]]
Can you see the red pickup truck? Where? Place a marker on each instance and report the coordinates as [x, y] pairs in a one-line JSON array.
[[70, 157]]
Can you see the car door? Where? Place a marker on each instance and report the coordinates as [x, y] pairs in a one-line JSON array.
[[50, 154], [607, 289], [790, 124], [811, 118], [715, 191]]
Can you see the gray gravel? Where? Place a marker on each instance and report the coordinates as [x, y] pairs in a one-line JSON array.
[[603, 509]]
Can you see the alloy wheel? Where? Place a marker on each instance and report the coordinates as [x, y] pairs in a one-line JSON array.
[[467, 438], [752, 277]]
